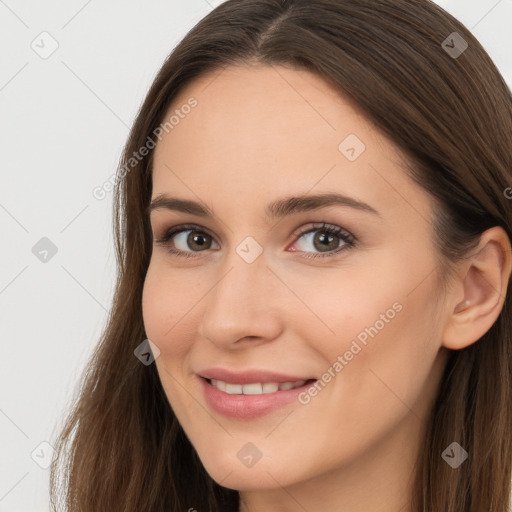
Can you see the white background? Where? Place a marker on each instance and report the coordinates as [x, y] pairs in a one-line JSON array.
[[64, 122]]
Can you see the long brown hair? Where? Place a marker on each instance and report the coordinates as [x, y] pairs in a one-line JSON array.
[[121, 447]]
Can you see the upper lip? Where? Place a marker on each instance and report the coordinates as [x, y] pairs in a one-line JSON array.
[[249, 376]]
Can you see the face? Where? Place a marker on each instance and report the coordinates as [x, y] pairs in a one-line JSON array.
[[338, 295]]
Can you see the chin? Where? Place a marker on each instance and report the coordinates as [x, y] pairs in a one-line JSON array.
[[232, 474], [250, 481]]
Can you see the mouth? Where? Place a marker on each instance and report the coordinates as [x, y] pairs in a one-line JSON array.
[[256, 388], [245, 401]]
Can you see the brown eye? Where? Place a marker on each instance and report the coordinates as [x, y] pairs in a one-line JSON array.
[[196, 240], [325, 238], [186, 240]]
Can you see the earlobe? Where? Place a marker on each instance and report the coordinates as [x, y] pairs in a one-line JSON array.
[[484, 279]]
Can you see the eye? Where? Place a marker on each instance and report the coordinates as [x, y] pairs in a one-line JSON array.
[[183, 237], [326, 238], [326, 241]]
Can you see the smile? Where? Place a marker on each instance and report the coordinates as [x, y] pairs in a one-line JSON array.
[[257, 388], [250, 400]]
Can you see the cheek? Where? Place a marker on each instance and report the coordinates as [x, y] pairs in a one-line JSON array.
[[390, 375], [167, 305], [167, 309], [382, 326]]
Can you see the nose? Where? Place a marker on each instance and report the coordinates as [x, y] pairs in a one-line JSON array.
[[243, 305]]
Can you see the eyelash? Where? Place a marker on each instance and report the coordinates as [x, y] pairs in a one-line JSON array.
[[345, 236]]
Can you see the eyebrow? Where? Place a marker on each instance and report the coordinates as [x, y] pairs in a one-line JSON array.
[[277, 209]]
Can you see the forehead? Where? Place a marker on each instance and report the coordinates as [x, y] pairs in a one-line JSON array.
[[262, 110], [257, 132]]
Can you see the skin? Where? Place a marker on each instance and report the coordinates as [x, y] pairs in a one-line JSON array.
[[259, 133]]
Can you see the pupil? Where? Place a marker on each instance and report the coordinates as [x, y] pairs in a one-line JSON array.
[[195, 237], [324, 238]]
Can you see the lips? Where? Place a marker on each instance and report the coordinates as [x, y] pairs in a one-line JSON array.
[[252, 393]]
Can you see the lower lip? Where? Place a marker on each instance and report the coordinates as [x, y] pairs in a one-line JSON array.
[[248, 406]]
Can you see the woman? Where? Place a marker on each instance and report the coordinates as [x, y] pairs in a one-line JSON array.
[[313, 236]]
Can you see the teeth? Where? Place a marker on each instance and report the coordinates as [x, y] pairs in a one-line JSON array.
[[257, 388], [291, 385], [270, 387], [233, 389], [219, 384], [252, 389]]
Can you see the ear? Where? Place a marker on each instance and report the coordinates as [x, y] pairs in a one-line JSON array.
[[478, 296]]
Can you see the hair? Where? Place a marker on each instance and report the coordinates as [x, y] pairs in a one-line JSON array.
[[121, 447]]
